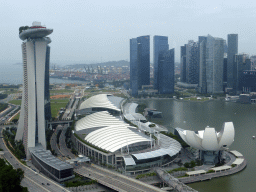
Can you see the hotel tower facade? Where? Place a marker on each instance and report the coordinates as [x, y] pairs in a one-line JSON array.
[[35, 96]]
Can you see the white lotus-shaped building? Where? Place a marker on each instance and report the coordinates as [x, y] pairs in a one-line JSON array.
[[209, 139]]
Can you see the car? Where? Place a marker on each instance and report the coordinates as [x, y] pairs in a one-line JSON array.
[[42, 183], [48, 183]]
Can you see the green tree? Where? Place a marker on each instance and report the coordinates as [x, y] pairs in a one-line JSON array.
[[10, 178]]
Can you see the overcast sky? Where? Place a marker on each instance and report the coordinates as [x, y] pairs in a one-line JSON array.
[[86, 31]]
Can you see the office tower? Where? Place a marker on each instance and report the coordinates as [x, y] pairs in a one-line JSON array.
[[248, 81], [139, 63], [133, 67], [242, 62], [253, 62], [143, 60], [214, 64], [192, 62], [36, 55], [232, 51], [211, 65], [183, 63], [225, 67], [160, 44], [166, 72], [202, 64]]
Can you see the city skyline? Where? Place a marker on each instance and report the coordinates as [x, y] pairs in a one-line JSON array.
[[105, 37]]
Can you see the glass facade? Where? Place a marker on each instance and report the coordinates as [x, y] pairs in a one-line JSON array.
[[143, 59], [232, 51], [192, 62], [214, 64], [47, 107], [183, 63], [160, 44], [133, 67], [166, 72]]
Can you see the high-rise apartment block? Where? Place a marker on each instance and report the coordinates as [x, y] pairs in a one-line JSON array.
[[232, 51], [36, 56], [139, 63], [160, 45]]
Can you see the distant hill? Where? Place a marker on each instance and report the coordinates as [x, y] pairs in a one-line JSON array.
[[109, 63]]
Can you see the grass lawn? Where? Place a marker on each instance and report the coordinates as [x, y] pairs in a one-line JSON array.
[[56, 104], [17, 116], [9, 90], [15, 102]]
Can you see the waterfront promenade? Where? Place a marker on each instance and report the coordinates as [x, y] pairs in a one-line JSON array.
[[209, 176]]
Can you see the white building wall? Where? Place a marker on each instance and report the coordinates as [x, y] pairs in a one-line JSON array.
[[31, 95], [40, 50]]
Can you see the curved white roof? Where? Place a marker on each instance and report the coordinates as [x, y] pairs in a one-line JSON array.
[[209, 139], [114, 133], [100, 101], [114, 137], [99, 119]]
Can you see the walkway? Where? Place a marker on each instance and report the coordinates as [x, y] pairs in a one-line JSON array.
[[172, 181], [209, 176]]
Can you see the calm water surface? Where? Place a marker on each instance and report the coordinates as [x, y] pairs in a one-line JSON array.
[[198, 115], [13, 74]]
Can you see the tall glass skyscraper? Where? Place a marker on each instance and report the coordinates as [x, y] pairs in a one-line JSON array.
[[232, 51], [183, 63], [160, 45], [192, 62], [143, 59], [214, 64], [36, 56], [166, 72], [139, 63], [133, 67]]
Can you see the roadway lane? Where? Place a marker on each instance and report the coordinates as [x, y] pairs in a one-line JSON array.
[[31, 179], [54, 145], [114, 180], [62, 143]]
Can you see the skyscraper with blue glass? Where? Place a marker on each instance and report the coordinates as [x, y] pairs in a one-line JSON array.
[[161, 45], [139, 63], [143, 59], [133, 67], [166, 72]]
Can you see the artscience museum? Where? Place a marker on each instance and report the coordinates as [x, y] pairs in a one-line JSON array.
[[209, 142]]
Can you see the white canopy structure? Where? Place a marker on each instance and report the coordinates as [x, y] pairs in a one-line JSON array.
[[209, 139], [112, 135], [99, 119], [107, 101]]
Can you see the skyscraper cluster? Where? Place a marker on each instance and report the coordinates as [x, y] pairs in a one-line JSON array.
[[205, 63], [140, 64]]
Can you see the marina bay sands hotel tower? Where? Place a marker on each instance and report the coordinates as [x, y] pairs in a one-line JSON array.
[[35, 96]]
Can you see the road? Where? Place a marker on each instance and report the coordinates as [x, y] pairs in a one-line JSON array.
[[62, 143], [114, 180], [54, 145], [34, 182]]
